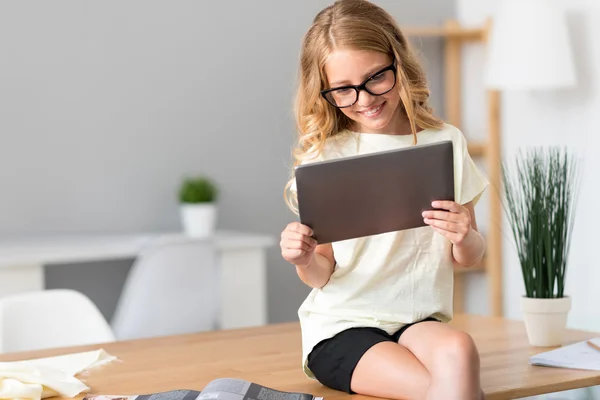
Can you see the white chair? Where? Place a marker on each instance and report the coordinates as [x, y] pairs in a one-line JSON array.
[[50, 318], [172, 288]]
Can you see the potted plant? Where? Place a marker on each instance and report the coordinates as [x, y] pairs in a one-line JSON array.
[[197, 198], [540, 187]]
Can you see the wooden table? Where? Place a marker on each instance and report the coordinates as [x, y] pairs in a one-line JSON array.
[[270, 356]]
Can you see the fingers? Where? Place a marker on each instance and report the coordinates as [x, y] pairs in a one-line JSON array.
[[296, 241], [444, 216], [298, 227], [297, 245], [298, 237], [457, 219], [456, 233], [448, 205], [445, 225], [291, 254]]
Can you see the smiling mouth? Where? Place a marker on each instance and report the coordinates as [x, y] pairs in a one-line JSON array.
[[373, 111]]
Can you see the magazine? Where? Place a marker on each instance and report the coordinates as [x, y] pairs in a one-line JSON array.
[[580, 355], [218, 389]]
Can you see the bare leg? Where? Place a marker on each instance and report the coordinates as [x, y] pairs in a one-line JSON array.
[[390, 371], [451, 358]]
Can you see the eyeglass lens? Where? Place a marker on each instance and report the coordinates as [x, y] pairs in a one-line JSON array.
[[377, 85]]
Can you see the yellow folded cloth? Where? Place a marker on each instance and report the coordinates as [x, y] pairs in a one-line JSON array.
[[46, 377]]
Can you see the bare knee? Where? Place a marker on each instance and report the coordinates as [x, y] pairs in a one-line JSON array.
[[457, 354]]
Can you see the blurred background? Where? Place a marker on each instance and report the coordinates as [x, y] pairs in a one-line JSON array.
[[106, 107]]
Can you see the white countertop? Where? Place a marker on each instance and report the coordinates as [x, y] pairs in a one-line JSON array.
[[69, 248]]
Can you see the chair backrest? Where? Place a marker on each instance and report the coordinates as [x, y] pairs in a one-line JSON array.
[[172, 288], [50, 318]]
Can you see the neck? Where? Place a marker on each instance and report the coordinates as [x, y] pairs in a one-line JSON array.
[[401, 125]]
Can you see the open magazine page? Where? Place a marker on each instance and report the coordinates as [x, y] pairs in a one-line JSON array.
[[219, 389], [237, 389], [171, 395]]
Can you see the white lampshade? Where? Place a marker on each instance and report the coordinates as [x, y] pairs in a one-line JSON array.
[[529, 47]]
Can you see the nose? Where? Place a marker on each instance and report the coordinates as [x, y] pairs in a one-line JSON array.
[[365, 98]]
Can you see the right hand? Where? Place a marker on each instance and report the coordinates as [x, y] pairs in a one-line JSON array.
[[297, 245]]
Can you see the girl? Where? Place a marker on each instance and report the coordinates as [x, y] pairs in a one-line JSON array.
[[375, 321]]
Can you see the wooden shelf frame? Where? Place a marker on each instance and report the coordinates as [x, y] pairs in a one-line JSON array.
[[455, 36], [451, 30]]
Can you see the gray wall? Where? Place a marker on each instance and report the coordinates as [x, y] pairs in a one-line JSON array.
[[105, 105]]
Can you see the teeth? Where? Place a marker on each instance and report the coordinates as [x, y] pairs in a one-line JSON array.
[[374, 111]]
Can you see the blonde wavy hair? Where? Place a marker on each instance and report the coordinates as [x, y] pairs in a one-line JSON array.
[[357, 25]]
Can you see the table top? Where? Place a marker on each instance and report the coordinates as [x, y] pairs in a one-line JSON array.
[[82, 247], [271, 356]]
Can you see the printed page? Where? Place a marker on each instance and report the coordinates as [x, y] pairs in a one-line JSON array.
[[170, 395], [237, 389], [577, 356], [219, 389]]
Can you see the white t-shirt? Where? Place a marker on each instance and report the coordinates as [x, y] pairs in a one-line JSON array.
[[392, 279]]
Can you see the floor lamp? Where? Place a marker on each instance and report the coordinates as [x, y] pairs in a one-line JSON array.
[[527, 49]]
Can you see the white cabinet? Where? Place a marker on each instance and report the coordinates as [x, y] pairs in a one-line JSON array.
[[242, 261]]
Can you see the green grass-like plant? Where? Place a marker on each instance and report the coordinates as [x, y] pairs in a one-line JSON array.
[[540, 187], [197, 189]]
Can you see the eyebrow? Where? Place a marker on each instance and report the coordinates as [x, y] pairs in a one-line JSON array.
[[365, 76]]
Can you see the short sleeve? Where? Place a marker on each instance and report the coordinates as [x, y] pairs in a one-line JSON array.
[[469, 181]]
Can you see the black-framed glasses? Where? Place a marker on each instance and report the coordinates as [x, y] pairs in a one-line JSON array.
[[377, 84]]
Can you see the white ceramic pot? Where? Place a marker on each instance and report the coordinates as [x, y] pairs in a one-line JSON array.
[[199, 219], [545, 320]]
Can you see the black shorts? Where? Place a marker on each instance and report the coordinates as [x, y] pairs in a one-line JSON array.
[[333, 360]]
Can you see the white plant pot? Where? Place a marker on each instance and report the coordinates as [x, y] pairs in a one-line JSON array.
[[199, 219], [545, 320]]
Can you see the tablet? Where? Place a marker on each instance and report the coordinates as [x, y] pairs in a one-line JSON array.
[[374, 193]]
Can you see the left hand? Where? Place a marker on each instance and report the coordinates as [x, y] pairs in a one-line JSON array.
[[453, 220]]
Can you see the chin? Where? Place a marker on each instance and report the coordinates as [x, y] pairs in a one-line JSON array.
[[375, 126], [380, 124]]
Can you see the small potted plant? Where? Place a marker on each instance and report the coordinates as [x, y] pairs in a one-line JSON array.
[[540, 189], [197, 197]]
